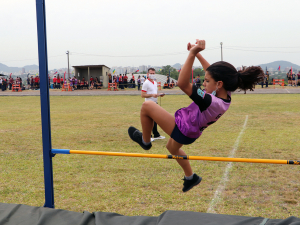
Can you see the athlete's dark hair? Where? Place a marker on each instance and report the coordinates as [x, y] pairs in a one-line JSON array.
[[232, 79]]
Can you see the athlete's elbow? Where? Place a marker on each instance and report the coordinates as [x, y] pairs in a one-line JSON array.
[[179, 84], [182, 85]]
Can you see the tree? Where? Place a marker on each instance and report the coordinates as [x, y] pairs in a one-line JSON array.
[[199, 71], [169, 70]]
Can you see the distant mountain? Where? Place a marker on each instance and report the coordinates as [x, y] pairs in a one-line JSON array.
[[282, 64], [177, 66], [31, 67], [7, 69]]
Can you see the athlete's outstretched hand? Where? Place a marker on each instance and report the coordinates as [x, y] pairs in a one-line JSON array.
[[189, 46], [198, 47]]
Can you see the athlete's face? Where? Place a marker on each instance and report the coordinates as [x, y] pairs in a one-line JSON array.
[[209, 83]]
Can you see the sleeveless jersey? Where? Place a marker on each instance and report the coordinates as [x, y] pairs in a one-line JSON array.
[[205, 110]]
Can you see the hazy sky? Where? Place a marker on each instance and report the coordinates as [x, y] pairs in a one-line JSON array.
[[151, 32]]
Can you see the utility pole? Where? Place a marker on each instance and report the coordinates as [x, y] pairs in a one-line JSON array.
[[67, 52], [221, 51]]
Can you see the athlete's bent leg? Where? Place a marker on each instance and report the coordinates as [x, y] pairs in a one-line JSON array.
[[150, 112], [175, 149]]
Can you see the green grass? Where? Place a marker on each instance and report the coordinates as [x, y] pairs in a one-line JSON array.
[[138, 186]]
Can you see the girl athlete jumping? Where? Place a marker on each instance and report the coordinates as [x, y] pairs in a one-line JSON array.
[[221, 78]]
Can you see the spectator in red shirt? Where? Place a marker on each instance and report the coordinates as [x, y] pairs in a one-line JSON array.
[[36, 81], [62, 81], [58, 82], [91, 80], [11, 81], [125, 80], [54, 82], [121, 83]]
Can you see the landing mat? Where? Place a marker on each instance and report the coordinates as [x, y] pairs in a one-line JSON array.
[[12, 214]]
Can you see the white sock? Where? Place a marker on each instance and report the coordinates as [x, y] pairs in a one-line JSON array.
[[190, 177], [144, 142]]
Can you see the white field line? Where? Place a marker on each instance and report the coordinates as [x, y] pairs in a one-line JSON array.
[[222, 184]]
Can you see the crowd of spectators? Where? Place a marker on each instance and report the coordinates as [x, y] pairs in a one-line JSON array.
[[93, 83], [75, 84], [3, 83], [293, 79], [33, 82], [122, 81], [169, 84], [7, 83], [57, 82]]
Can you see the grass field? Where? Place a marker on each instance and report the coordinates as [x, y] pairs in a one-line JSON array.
[[137, 186]]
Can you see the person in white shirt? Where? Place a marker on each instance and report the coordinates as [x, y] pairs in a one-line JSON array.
[[149, 92]]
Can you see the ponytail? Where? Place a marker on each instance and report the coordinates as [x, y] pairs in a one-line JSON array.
[[232, 79], [248, 78]]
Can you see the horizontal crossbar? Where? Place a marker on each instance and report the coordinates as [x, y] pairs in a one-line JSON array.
[[206, 158]]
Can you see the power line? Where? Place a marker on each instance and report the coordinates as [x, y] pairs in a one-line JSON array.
[[131, 56], [237, 48], [246, 50], [113, 56], [260, 47], [30, 59]]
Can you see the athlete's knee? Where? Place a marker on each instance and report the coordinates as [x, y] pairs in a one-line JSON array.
[[147, 105], [171, 148]]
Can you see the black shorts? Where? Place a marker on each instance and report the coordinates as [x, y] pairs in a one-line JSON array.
[[180, 137]]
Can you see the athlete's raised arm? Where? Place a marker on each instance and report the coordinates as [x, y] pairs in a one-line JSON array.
[[185, 74]]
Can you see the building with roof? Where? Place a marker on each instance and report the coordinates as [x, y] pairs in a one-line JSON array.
[[88, 71]]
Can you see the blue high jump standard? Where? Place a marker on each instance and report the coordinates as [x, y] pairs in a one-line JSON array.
[[45, 102]]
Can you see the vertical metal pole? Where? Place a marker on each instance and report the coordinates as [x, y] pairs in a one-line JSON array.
[[45, 102], [88, 77], [68, 66], [221, 51]]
